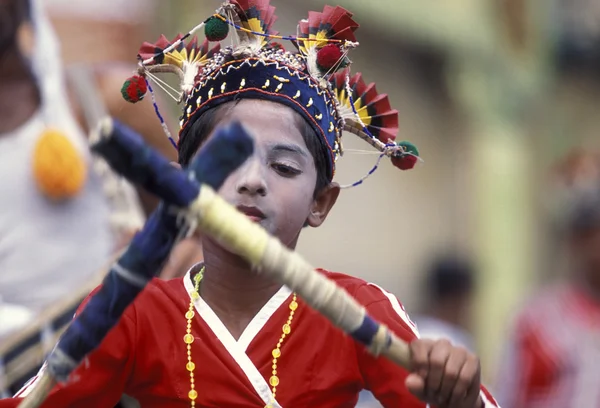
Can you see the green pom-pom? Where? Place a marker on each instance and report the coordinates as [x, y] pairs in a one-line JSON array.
[[215, 29], [409, 147], [408, 159]]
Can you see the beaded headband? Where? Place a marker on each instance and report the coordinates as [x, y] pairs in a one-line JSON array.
[[314, 80]]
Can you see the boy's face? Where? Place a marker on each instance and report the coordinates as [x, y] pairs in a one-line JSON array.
[[275, 186]]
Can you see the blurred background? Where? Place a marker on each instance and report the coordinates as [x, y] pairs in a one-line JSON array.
[[494, 94]]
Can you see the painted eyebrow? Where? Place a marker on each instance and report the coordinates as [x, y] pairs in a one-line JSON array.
[[290, 148]]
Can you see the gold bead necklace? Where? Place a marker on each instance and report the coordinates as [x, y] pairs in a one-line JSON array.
[[188, 339], [286, 330]]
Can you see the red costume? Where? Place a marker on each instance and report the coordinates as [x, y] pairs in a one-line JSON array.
[[145, 358], [554, 353]]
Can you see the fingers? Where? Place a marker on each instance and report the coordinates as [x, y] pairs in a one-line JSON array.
[[419, 352], [452, 372], [443, 375], [416, 385], [437, 377], [467, 387]]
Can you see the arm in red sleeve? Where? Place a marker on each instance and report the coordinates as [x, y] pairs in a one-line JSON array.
[[382, 377], [101, 380], [528, 369]]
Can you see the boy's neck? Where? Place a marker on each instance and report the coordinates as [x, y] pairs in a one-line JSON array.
[[234, 292]]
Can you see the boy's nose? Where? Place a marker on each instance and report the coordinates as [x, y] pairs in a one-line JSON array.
[[252, 180]]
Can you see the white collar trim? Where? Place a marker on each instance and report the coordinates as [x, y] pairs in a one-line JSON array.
[[237, 349]]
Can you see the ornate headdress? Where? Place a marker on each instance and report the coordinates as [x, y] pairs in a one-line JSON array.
[[314, 80]]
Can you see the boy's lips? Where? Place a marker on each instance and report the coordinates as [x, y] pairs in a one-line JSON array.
[[253, 213]]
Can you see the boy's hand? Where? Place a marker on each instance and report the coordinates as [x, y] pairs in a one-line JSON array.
[[444, 375]]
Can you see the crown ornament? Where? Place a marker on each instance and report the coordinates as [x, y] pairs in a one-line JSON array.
[[314, 79]]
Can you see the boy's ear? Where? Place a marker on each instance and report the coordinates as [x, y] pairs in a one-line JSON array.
[[322, 204]]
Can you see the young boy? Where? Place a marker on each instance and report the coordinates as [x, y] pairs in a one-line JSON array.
[[225, 336]]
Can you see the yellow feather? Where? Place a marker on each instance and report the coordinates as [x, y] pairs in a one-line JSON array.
[[184, 54], [321, 38], [193, 56], [343, 98], [255, 25], [174, 58], [363, 114]]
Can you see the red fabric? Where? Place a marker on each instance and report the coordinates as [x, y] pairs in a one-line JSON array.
[[144, 357], [540, 371], [552, 353], [136, 88], [406, 162]]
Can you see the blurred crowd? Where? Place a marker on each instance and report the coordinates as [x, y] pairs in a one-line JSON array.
[[62, 64]]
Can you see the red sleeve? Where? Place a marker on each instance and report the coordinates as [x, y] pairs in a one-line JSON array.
[[101, 380], [382, 377], [528, 368]]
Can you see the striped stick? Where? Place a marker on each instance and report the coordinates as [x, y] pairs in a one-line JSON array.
[[268, 256], [235, 232], [143, 259]]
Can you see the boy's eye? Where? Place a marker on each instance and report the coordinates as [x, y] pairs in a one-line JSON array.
[[285, 169]]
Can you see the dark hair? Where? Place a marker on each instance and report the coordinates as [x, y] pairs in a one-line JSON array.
[[583, 216], [12, 14], [196, 133], [450, 276]]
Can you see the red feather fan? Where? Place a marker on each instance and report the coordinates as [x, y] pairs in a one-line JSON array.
[[190, 52], [256, 9], [149, 50], [333, 23], [374, 109]]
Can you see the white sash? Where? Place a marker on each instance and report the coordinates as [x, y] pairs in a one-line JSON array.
[[237, 349]]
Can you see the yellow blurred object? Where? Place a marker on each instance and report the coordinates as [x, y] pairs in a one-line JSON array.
[[58, 168]]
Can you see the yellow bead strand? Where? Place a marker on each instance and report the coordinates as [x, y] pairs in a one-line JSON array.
[[276, 353], [188, 339]]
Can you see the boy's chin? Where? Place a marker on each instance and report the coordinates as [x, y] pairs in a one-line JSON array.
[[289, 240]]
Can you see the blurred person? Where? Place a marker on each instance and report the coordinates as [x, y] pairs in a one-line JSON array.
[[449, 290], [553, 354], [54, 218], [577, 25], [98, 39]]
